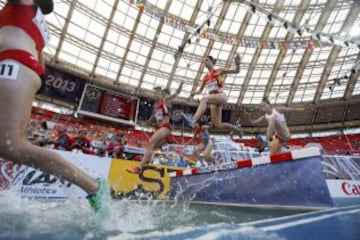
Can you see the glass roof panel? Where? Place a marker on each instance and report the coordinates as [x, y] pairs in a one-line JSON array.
[[311, 76], [147, 26], [158, 3], [292, 2], [125, 16], [336, 83], [144, 59], [176, 7], [256, 27], [233, 20], [128, 75], [337, 19], [357, 87], [182, 9]]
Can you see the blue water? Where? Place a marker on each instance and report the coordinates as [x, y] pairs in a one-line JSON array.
[[25, 219]]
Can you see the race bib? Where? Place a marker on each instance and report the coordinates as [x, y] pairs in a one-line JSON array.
[[212, 86], [159, 116], [9, 69]]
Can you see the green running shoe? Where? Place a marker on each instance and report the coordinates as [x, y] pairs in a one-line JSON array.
[[100, 198]]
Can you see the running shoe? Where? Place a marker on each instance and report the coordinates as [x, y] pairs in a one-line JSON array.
[[98, 200], [135, 170], [189, 120], [263, 141]]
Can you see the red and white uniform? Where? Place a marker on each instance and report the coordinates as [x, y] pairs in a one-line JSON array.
[[214, 82], [275, 116], [31, 20], [278, 118], [161, 111]]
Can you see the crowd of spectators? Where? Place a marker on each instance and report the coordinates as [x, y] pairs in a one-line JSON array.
[[65, 138], [81, 135], [171, 159], [76, 140]]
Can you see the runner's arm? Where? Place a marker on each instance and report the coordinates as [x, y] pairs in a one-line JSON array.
[[237, 60], [149, 121], [177, 92], [290, 109], [256, 120], [199, 91]]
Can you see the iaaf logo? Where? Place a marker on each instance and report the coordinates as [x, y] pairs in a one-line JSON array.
[[35, 177], [206, 169], [8, 172], [14, 174], [227, 166], [350, 189]]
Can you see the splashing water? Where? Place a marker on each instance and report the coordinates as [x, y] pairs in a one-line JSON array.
[[27, 219], [130, 219]]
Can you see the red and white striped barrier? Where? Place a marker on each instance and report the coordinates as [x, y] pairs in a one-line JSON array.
[[288, 156]]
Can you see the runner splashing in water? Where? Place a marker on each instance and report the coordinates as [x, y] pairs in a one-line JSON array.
[[203, 133], [214, 82], [161, 116], [277, 132]]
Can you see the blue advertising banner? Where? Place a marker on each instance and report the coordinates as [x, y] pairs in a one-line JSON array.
[[61, 85], [295, 183]]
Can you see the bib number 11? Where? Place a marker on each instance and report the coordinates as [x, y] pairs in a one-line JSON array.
[[8, 70]]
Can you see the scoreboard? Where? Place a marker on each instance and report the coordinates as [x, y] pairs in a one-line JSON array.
[[109, 105]]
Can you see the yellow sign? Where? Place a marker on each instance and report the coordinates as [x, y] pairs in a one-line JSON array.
[[153, 182]]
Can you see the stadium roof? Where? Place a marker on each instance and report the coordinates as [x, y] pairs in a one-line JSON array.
[[293, 51], [116, 40]]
